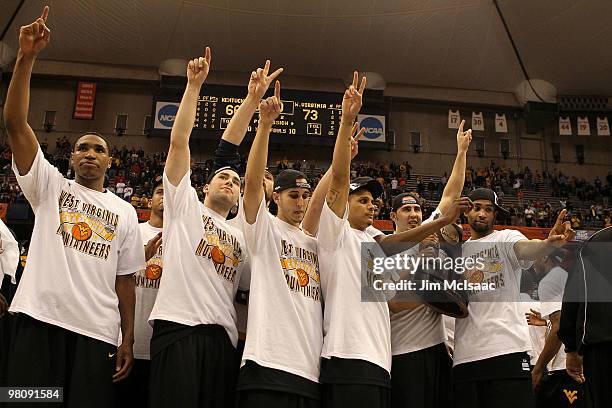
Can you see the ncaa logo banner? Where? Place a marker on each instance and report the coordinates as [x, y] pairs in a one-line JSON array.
[[165, 112], [374, 127]]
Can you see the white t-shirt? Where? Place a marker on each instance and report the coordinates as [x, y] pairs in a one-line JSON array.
[[416, 329], [203, 258], [496, 324], [374, 232], [352, 329], [285, 326], [147, 285], [82, 240], [551, 289], [420, 328], [449, 329]]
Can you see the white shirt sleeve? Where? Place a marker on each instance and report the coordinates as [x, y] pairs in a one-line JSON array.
[[131, 256], [39, 181], [256, 233], [332, 228], [180, 200], [512, 237]]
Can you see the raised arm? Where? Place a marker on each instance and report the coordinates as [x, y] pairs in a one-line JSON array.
[[310, 224], [534, 249], [258, 85], [337, 194], [269, 109], [179, 157], [454, 186], [33, 38]]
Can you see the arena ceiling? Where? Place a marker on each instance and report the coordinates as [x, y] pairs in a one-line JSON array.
[[444, 43]]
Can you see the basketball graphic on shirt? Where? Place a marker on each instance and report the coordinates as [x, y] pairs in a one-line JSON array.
[[217, 255], [302, 277], [153, 272], [477, 276], [81, 231]]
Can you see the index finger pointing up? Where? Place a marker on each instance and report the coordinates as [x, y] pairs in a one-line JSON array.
[[355, 78], [207, 55], [560, 218], [461, 125], [45, 13], [266, 67], [277, 90]]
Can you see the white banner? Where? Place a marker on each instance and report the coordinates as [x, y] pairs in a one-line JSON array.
[[565, 126], [454, 119], [583, 126], [500, 123], [477, 121], [603, 128], [374, 127]]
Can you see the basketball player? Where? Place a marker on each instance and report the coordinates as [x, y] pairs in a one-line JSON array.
[[491, 365], [284, 284], [417, 332], [227, 155], [84, 251], [552, 385], [194, 320], [356, 364], [134, 390]]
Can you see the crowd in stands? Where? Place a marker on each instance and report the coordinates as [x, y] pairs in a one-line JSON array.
[[134, 174]]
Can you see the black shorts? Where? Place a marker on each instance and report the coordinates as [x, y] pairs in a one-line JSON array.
[[422, 377], [558, 389], [197, 369], [44, 355], [354, 383], [260, 386], [500, 382], [597, 363], [133, 392]]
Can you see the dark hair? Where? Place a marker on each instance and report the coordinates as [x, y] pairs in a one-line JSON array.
[[108, 144]]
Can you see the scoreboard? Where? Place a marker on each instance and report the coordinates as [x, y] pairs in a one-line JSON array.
[[303, 113], [306, 118], [315, 114]]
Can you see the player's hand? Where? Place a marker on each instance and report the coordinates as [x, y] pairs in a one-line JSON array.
[[463, 138], [562, 232], [353, 99], [355, 136], [260, 80], [198, 68], [3, 305], [534, 318], [270, 108], [153, 246], [573, 366], [458, 206], [124, 362], [536, 378], [33, 38]]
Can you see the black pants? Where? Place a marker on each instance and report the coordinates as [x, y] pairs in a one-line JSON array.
[[422, 379], [497, 382], [558, 389], [46, 355], [133, 392], [597, 365], [274, 399], [198, 370], [355, 395]]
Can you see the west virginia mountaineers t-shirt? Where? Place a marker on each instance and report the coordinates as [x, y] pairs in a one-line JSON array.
[[285, 326], [203, 259], [495, 325], [352, 329], [147, 285], [82, 240]]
